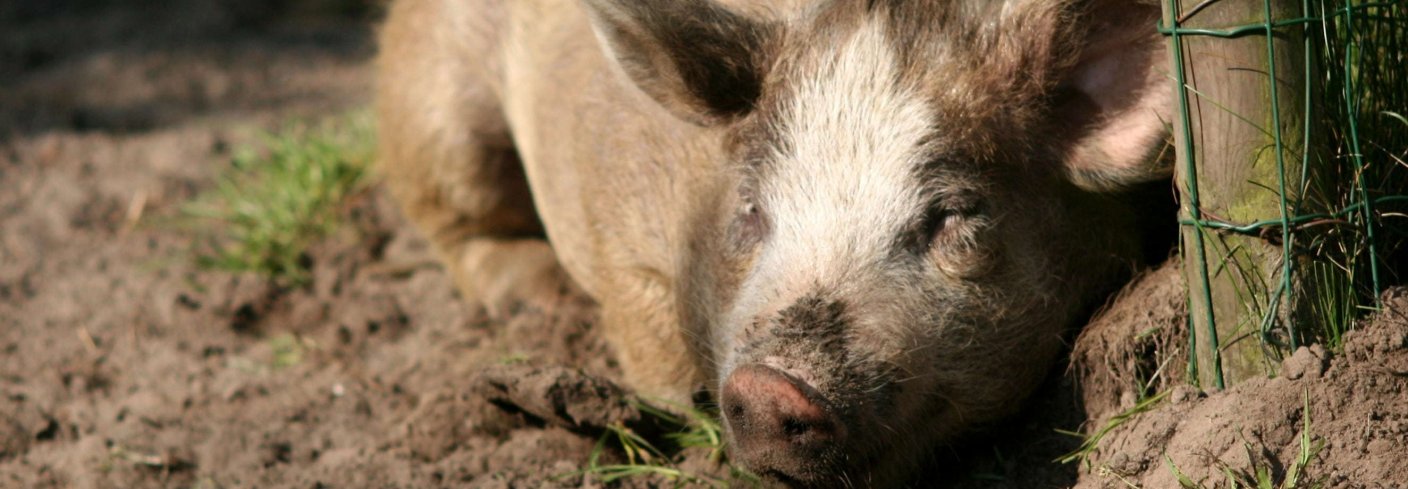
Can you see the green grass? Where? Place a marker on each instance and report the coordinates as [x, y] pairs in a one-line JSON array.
[[1362, 89], [280, 197], [694, 429], [287, 351], [1090, 443]]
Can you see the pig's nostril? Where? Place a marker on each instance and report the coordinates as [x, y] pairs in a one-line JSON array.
[[795, 427], [735, 412]]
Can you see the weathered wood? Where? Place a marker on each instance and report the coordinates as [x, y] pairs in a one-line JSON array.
[[1232, 108]]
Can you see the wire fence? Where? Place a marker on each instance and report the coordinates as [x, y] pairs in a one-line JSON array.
[[1313, 236]]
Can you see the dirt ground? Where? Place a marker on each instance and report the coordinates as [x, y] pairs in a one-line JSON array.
[[123, 365]]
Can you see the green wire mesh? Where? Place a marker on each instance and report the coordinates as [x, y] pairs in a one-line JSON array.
[[1354, 80]]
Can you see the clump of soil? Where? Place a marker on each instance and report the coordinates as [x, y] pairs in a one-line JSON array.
[[1135, 344], [1354, 403]]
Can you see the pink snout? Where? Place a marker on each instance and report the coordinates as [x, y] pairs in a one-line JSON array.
[[780, 425]]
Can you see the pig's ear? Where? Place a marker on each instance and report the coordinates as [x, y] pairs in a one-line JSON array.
[[1117, 102], [701, 61]]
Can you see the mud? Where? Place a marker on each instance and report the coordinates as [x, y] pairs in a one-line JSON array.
[[123, 365]]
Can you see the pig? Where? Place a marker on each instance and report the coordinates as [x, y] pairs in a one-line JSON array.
[[862, 227]]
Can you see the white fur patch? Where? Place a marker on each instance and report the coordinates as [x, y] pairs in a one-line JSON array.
[[838, 202]]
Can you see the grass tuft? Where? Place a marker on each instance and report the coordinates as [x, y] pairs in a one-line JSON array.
[[278, 199], [696, 429], [1361, 89], [1092, 442], [287, 351]]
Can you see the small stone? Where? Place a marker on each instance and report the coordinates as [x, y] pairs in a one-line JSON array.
[[1184, 393], [1306, 362]]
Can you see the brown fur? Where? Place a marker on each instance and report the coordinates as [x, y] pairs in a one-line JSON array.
[[658, 158], [452, 137]]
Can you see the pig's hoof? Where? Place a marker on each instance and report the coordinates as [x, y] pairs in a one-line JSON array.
[[506, 277]]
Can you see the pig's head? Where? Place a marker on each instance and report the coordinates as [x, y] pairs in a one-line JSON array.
[[911, 213]]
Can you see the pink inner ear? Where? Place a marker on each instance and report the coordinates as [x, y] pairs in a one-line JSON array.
[[1123, 145], [1100, 76], [1132, 101]]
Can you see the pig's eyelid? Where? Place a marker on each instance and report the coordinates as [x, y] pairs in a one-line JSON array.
[[935, 221], [951, 207], [946, 216]]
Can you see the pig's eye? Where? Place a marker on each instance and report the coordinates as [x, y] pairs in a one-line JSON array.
[[944, 223], [749, 225], [953, 237], [939, 222]]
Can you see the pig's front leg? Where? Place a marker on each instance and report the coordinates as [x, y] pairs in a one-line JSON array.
[[642, 325]]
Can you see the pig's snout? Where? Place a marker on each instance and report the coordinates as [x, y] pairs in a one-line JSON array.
[[780, 425]]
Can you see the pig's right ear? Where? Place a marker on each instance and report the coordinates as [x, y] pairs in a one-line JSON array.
[[698, 59], [1120, 103]]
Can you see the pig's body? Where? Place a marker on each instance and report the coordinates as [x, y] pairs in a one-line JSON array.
[[613, 174], [855, 229]]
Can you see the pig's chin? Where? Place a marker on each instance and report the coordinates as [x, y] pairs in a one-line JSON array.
[[875, 458], [811, 477]]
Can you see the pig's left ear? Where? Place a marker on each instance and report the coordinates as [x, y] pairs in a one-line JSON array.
[[1118, 100], [698, 59]]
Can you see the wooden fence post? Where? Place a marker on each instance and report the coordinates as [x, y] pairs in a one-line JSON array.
[[1234, 168]]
